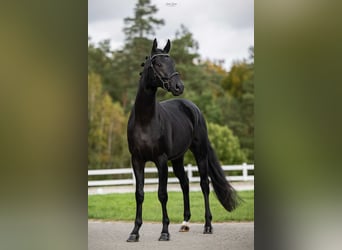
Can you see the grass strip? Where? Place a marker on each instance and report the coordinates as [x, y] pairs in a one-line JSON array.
[[121, 207]]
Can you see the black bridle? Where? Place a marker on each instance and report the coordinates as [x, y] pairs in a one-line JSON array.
[[165, 80]]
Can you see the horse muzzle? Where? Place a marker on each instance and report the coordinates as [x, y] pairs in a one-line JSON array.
[[177, 88]]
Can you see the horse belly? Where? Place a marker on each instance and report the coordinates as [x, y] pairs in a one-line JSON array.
[[181, 141]]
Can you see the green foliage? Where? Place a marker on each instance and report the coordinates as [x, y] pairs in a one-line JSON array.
[[107, 143], [184, 47], [100, 62], [225, 144], [238, 75], [239, 114]]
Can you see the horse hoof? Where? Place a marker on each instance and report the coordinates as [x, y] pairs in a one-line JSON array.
[[208, 230], [133, 238], [164, 237], [184, 229]]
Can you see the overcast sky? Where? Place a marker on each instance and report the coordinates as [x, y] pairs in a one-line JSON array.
[[224, 29]]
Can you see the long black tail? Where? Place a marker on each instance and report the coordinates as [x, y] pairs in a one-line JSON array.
[[225, 193]]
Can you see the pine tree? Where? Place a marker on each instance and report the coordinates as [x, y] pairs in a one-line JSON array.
[[143, 23]]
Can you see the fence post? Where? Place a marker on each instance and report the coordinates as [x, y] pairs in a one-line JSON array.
[[244, 171], [190, 173]]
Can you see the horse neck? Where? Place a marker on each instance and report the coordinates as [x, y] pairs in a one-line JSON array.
[[145, 101]]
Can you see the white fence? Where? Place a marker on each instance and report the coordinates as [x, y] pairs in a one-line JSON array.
[[189, 169]]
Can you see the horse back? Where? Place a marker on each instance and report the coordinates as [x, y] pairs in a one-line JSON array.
[[181, 111]]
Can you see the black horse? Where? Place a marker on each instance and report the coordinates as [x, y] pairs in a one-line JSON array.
[[164, 131]]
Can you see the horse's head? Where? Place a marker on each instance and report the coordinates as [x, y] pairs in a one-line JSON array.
[[163, 69]]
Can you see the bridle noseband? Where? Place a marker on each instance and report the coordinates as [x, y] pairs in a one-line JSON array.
[[165, 80]]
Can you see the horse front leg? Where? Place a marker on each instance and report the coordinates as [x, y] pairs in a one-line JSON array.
[[163, 197], [138, 168]]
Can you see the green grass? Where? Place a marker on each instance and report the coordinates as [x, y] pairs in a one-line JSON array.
[[122, 207]]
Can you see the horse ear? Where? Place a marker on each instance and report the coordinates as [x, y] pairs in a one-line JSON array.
[[167, 46], [154, 46]]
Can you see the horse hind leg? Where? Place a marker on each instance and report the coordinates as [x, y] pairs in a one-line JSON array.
[[206, 191], [202, 163], [178, 169]]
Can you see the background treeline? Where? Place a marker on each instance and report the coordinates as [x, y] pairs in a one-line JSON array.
[[226, 98]]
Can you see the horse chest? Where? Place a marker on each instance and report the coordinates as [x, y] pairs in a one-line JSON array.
[[146, 141]]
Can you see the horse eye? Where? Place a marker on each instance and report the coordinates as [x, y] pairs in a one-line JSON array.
[[158, 64]]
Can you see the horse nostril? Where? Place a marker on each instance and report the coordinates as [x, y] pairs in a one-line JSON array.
[[177, 87]]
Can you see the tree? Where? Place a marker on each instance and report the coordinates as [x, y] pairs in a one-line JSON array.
[[251, 54], [100, 62], [125, 63], [239, 73], [184, 47], [226, 144], [239, 113], [107, 143], [143, 23]]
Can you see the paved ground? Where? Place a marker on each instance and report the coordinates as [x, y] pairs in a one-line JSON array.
[[226, 236], [239, 186]]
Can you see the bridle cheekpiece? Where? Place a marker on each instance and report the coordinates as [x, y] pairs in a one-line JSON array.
[[165, 80]]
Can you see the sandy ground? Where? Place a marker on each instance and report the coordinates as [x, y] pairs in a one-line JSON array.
[[226, 236]]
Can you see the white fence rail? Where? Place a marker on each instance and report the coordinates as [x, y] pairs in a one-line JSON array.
[[189, 169]]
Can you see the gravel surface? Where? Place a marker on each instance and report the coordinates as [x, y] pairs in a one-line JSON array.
[[226, 236]]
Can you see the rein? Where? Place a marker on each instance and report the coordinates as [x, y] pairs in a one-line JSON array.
[[165, 80]]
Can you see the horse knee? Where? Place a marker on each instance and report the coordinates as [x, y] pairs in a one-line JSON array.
[[204, 184], [139, 196], [162, 196]]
